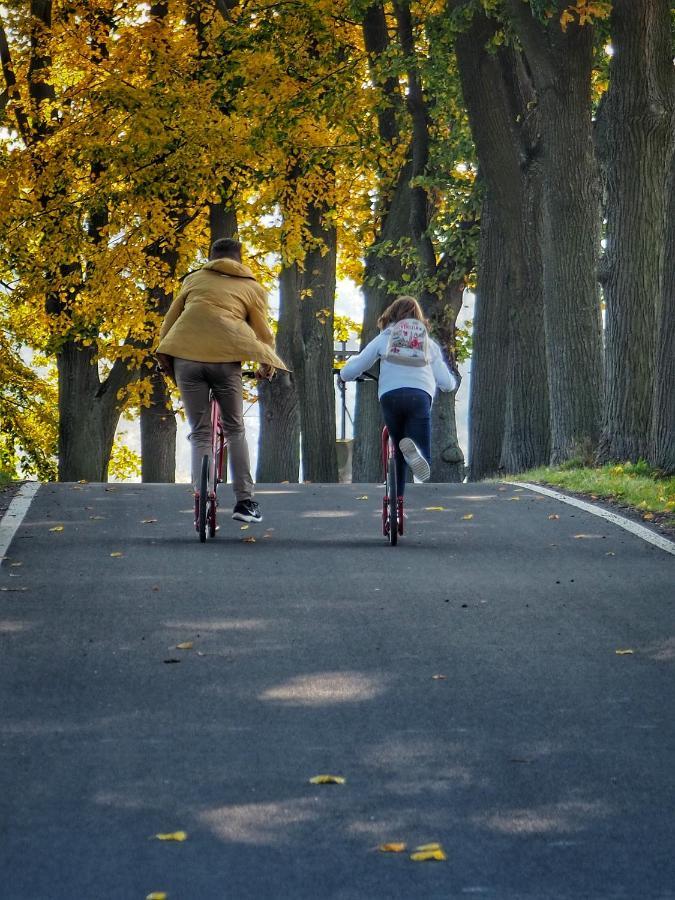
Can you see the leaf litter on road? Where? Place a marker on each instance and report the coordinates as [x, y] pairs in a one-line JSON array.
[[327, 779], [393, 847], [624, 652], [57, 528], [185, 645], [172, 836]]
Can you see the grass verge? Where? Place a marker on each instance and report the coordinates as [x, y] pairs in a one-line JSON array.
[[5, 478], [632, 485]]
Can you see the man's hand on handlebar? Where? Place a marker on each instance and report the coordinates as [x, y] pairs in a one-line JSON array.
[[264, 372]]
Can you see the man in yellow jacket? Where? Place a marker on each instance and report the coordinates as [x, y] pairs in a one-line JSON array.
[[218, 320]]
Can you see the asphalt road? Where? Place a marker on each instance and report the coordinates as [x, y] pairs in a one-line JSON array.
[[542, 760]]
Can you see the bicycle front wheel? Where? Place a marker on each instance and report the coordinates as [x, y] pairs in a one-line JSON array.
[[203, 498], [392, 503]]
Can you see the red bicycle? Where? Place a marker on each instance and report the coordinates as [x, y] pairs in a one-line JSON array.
[[392, 504], [211, 475]]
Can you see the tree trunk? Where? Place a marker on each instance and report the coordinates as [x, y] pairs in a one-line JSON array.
[[279, 443], [88, 414], [498, 98], [489, 356], [383, 266], [382, 270], [636, 143], [158, 435], [441, 295], [663, 425], [314, 352], [561, 64]]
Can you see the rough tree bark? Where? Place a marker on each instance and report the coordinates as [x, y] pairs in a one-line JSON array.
[[304, 403], [561, 63], [499, 100], [662, 452], [441, 304], [490, 350], [279, 442], [313, 351], [635, 143], [383, 267]]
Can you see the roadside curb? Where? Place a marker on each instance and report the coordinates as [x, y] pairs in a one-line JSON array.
[[633, 527], [15, 513]]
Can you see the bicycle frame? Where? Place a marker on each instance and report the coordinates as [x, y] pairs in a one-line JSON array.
[[206, 505]]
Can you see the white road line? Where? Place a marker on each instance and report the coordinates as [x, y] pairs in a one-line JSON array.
[[634, 528], [16, 510]]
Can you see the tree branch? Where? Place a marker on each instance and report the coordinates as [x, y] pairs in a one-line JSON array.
[[12, 90]]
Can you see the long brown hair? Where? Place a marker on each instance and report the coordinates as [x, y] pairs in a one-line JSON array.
[[403, 307]]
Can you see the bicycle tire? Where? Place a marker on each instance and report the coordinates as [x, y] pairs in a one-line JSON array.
[[213, 503], [392, 501], [203, 497]]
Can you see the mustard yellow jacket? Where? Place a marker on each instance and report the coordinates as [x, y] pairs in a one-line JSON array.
[[219, 315]]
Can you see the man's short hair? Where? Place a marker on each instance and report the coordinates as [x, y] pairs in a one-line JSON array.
[[226, 247]]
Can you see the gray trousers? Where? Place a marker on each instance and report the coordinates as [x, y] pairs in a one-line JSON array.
[[194, 379]]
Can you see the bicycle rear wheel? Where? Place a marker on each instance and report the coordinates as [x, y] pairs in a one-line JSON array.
[[213, 500], [203, 497], [392, 502]]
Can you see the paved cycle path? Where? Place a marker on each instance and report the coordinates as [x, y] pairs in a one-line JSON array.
[[542, 760]]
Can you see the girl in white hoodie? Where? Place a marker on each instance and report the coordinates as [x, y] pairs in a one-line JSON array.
[[410, 371]]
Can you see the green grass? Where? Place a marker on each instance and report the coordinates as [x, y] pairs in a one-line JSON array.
[[5, 478], [629, 484]]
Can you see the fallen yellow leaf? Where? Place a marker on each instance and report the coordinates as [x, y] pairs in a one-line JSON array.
[[365, 497], [554, 516], [327, 779], [428, 852], [249, 540], [392, 848], [648, 516], [186, 645], [172, 836], [148, 521], [624, 652], [57, 528], [244, 527], [433, 508], [468, 516], [514, 498], [117, 553], [157, 895]]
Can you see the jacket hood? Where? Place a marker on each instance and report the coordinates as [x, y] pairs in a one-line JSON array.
[[229, 267]]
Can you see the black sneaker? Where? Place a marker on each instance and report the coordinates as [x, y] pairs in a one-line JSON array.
[[247, 511]]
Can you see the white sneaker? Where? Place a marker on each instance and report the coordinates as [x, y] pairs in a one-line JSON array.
[[411, 454]]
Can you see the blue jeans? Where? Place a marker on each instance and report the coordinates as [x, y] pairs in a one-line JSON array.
[[407, 413]]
